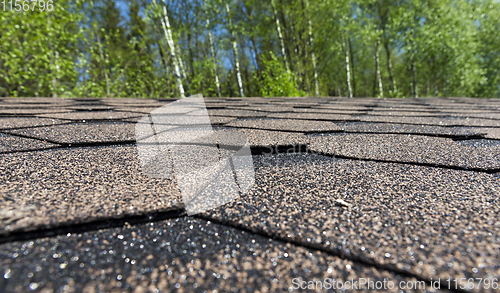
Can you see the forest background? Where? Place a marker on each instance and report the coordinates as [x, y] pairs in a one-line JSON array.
[[233, 48]]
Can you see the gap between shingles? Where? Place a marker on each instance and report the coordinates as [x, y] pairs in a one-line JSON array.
[[92, 225], [364, 112], [327, 250], [451, 136], [260, 150], [107, 223], [361, 121], [36, 126], [304, 148]]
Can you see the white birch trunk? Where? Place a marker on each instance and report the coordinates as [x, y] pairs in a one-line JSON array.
[[168, 35], [235, 52], [280, 36], [181, 64], [212, 49], [313, 56], [237, 65], [56, 74], [103, 63], [414, 71], [377, 68], [54, 64], [347, 66]]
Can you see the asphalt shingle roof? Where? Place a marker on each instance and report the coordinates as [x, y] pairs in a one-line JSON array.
[[381, 189]]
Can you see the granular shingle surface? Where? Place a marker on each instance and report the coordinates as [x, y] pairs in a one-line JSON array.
[[31, 111], [373, 128], [9, 143], [81, 184], [266, 138], [183, 255], [91, 115], [285, 124], [410, 149], [401, 215], [98, 132], [439, 121], [25, 122], [397, 190]]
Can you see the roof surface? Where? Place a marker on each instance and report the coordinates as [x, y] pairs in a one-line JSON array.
[[401, 190]]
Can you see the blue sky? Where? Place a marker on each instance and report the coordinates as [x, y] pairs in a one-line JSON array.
[[226, 61], [123, 8]]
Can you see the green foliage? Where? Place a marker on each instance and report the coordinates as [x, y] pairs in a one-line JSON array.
[[37, 51], [488, 40], [89, 48], [276, 81], [204, 82]]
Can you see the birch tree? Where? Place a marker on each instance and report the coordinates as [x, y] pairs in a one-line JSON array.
[[349, 43], [97, 48], [212, 49], [168, 36], [280, 36], [235, 51], [103, 63], [377, 70], [384, 9], [311, 47], [347, 66]]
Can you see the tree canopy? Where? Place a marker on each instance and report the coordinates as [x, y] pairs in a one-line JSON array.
[[160, 48]]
